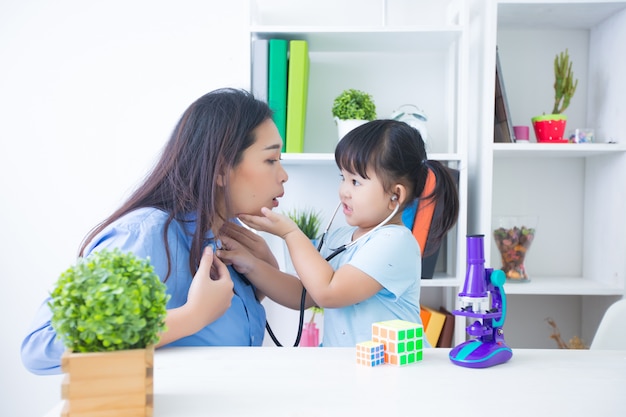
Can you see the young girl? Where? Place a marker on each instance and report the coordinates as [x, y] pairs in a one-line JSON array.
[[377, 276]]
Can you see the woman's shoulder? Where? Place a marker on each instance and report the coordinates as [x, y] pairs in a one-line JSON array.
[[147, 221], [143, 215], [139, 231]]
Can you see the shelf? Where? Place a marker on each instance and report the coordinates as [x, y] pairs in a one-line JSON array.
[[556, 150], [364, 39], [440, 282], [561, 286], [538, 286], [554, 14], [329, 158]]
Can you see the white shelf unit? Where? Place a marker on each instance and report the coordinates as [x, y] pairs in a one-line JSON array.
[[576, 264], [401, 52]]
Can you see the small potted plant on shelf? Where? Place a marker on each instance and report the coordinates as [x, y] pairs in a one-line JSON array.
[[352, 108], [549, 128], [109, 310]]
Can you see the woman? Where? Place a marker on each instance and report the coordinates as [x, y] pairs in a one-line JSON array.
[[222, 159]]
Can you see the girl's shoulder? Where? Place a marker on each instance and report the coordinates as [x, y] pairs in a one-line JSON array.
[[395, 230], [341, 234], [393, 234]]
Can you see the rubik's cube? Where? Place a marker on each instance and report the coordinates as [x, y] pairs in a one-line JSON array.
[[370, 353], [403, 341]]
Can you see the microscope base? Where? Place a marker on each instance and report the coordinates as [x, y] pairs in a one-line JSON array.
[[478, 354]]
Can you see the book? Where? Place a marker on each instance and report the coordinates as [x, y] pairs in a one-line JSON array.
[[425, 317], [422, 222], [297, 92], [424, 214], [503, 125], [277, 84], [427, 224], [447, 332], [260, 57], [408, 214], [435, 325]]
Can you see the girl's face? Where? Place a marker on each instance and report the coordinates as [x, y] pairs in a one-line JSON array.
[[257, 181], [365, 203]]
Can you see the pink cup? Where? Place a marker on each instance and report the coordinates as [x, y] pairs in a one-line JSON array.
[[521, 132]]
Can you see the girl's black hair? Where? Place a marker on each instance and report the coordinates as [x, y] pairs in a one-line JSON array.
[[396, 152]]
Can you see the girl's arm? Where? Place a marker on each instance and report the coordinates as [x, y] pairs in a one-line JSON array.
[[346, 286]]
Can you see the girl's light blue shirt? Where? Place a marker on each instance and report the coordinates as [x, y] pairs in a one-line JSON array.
[[141, 232], [391, 256]]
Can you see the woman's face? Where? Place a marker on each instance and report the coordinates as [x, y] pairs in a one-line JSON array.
[[257, 181]]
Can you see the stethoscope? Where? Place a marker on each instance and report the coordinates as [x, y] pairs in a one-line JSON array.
[[334, 253]]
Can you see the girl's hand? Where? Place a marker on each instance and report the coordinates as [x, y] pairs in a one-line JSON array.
[[235, 237], [274, 223], [211, 290], [235, 254]]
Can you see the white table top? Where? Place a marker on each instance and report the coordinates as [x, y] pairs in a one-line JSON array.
[[273, 381]]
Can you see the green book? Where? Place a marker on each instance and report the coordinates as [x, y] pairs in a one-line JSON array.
[[277, 84], [297, 91]]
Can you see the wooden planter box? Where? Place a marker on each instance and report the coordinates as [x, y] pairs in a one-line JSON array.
[[108, 383]]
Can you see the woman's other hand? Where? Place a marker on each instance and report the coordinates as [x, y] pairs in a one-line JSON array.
[[210, 295], [211, 290]]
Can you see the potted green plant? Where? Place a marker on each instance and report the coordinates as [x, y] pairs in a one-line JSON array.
[[108, 309], [307, 220], [549, 128], [352, 108]]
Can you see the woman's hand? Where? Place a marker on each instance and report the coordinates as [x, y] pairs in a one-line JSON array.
[[274, 223], [236, 237], [211, 290], [210, 295]]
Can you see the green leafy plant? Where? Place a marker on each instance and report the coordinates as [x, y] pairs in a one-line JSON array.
[[354, 104], [564, 84], [307, 220], [109, 301]]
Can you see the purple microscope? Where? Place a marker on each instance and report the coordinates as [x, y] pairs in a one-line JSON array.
[[482, 299]]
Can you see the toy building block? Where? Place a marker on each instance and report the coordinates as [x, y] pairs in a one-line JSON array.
[[370, 353], [403, 341]]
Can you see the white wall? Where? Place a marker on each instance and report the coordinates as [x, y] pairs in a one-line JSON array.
[[89, 92]]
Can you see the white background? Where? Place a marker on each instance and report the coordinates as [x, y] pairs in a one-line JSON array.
[[89, 93]]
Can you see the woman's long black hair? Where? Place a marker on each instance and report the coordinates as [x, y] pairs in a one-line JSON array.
[[208, 140]]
